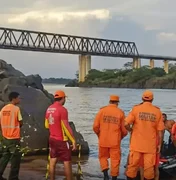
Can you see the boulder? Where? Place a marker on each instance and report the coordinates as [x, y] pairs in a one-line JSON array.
[[34, 102]]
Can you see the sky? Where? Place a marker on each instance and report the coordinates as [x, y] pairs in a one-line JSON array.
[[149, 23]]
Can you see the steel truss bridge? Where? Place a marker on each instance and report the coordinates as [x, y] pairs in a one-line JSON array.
[[18, 39]]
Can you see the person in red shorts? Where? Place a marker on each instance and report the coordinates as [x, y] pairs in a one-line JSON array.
[[56, 120], [141, 166]]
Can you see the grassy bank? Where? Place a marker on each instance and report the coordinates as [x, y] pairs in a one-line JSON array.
[[127, 77]]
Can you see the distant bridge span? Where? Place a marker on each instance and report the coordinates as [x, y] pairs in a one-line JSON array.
[[18, 39]]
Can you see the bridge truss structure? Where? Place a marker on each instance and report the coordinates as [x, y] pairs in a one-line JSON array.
[[17, 39]]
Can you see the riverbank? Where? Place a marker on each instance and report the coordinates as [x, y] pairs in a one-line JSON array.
[[141, 78], [34, 168]]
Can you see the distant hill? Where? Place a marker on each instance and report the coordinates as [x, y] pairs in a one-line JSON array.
[[56, 80]]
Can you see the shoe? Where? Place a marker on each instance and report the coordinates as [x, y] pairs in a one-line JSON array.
[[106, 176], [114, 177]]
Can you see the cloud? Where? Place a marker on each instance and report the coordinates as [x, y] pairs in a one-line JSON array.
[[148, 23], [163, 36], [57, 16]]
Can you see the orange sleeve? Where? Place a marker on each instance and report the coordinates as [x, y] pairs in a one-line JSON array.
[[160, 124], [123, 129], [66, 127], [130, 118], [96, 125]]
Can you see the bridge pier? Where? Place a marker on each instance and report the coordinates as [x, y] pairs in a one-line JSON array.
[[84, 66], [152, 63], [166, 66], [136, 63]]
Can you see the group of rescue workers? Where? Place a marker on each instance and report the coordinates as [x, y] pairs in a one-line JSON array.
[[145, 123]]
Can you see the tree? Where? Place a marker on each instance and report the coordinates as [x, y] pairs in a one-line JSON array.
[[128, 65], [77, 75], [172, 67]]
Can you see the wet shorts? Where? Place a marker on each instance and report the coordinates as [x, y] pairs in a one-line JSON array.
[[60, 150]]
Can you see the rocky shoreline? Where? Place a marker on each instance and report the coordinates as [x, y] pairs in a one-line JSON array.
[[34, 102], [151, 83]]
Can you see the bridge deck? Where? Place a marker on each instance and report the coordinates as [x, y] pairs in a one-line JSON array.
[[18, 39]]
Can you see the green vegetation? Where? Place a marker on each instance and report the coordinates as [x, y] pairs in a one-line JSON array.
[[56, 80], [127, 77]]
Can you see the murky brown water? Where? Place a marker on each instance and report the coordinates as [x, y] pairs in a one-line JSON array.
[[83, 104]]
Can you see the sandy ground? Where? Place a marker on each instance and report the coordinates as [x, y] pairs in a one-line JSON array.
[[36, 170]]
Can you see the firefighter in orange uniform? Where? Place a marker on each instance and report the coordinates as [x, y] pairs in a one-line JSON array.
[[109, 127], [147, 124], [10, 123]]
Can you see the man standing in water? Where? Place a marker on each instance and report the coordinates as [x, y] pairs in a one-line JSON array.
[[109, 127], [147, 123], [60, 132], [10, 124]]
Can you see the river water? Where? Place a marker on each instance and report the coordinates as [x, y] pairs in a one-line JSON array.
[[84, 103]]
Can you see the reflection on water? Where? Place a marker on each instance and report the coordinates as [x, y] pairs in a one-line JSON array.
[[84, 103]]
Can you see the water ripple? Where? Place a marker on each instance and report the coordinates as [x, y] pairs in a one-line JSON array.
[[84, 103]]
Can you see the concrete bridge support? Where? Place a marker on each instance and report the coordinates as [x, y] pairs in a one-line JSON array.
[[166, 66], [152, 64], [84, 66], [136, 63]]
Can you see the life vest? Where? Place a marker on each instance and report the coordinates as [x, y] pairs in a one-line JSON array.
[[10, 125]]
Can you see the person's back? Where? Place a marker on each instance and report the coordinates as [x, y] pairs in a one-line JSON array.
[[111, 118], [146, 117], [147, 123], [56, 120], [109, 127], [54, 114]]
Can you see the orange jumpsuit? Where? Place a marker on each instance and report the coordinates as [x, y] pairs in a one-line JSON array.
[[147, 121], [109, 127]]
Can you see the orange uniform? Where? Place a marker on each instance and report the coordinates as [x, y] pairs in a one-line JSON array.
[[157, 157], [109, 127], [147, 121], [9, 121]]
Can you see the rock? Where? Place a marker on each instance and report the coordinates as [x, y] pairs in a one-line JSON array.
[[1, 104], [73, 83], [35, 81], [8, 70], [80, 140], [20, 81], [34, 102]]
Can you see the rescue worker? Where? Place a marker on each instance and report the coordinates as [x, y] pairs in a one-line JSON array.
[[168, 123], [147, 123], [60, 132], [109, 127], [10, 123], [168, 127]]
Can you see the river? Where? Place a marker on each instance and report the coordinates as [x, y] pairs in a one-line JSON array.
[[84, 103]]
